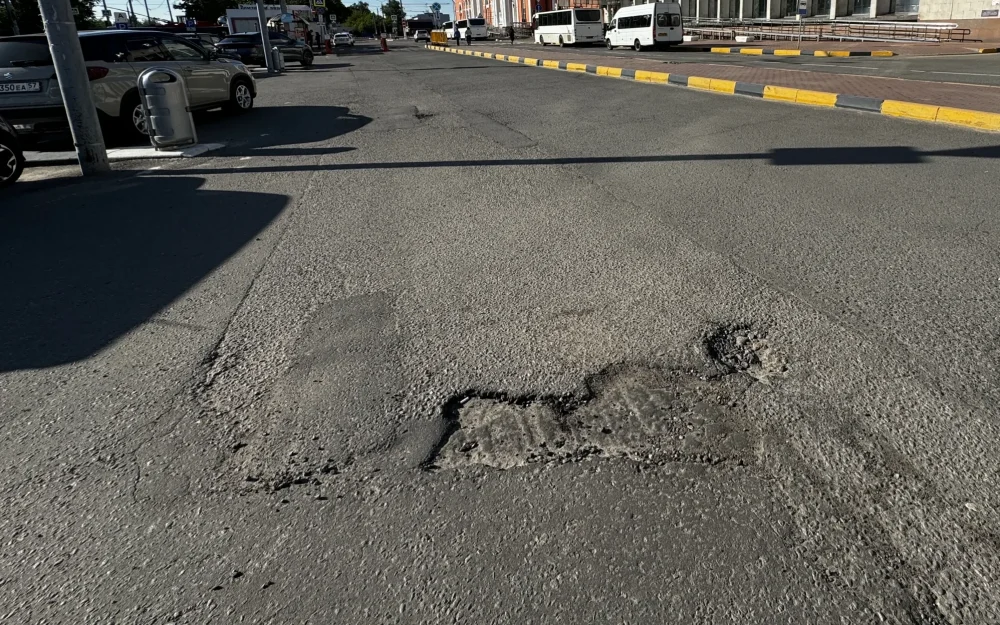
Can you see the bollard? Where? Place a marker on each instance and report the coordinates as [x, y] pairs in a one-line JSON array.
[[278, 59], [164, 99], [329, 46], [385, 46]]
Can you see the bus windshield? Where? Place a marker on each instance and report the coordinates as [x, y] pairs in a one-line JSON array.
[[477, 21], [588, 15]]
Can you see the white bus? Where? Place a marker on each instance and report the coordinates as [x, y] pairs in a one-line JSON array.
[[568, 27], [654, 24], [476, 24]]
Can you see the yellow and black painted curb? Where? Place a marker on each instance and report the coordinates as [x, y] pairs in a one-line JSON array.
[[820, 53], [988, 50], [978, 120]]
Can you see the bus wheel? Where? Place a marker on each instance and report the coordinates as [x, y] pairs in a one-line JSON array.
[[637, 46], [562, 44]]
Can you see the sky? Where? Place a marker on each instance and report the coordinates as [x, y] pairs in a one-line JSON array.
[[158, 8]]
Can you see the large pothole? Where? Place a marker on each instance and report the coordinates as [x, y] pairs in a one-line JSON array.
[[745, 348], [640, 413]]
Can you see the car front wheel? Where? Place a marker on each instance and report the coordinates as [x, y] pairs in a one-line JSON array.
[[240, 97], [607, 42], [307, 59]]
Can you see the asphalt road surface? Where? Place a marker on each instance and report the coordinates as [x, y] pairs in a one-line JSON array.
[[436, 339], [976, 69]]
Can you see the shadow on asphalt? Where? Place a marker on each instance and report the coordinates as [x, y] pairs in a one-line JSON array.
[[783, 157], [273, 131], [86, 263]]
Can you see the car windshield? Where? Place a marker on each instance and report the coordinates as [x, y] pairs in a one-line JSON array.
[[26, 52], [588, 15]]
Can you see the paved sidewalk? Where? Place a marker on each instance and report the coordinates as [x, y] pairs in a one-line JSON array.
[[974, 97], [901, 48]]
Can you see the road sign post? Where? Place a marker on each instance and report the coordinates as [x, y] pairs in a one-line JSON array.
[[803, 11], [265, 39], [71, 72]]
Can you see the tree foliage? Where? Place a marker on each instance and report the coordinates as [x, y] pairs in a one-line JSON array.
[[204, 10], [394, 7], [29, 19]]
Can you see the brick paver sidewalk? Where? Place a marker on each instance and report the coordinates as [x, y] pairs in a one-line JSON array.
[[974, 97], [900, 48]]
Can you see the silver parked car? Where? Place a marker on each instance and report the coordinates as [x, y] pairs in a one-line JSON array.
[[29, 92]]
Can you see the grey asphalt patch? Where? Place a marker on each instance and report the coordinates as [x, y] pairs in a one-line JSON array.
[[645, 415], [872, 105], [750, 89], [496, 131]]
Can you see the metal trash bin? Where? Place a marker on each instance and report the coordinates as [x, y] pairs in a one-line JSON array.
[[164, 99], [278, 58]]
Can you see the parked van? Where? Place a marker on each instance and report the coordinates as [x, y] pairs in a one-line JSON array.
[[644, 25]]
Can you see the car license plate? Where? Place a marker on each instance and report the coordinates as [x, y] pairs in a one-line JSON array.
[[20, 87]]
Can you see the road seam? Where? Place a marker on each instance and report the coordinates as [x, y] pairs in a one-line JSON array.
[[977, 120], [816, 53]]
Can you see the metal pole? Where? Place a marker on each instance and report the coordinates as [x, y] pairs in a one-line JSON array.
[[149, 20], [265, 39], [107, 18], [131, 13], [13, 17], [170, 11], [71, 72]]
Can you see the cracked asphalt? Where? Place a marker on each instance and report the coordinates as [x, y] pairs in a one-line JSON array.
[[224, 381]]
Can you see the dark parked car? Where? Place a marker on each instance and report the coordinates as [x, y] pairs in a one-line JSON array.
[[205, 40], [11, 155], [249, 48]]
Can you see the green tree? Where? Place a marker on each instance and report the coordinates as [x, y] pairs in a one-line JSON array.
[[205, 10], [394, 7], [337, 9], [29, 19], [361, 21]]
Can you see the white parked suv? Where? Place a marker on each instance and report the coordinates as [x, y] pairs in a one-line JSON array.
[[421, 35], [343, 39]]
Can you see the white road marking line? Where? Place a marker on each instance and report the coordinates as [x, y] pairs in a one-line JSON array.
[[844, 66], [964, 74]]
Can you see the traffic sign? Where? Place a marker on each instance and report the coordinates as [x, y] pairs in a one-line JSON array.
[[106, 13], [803, 7], [121, 17], [121, 25]]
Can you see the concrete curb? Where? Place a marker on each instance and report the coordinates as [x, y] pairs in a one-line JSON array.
[[978, 120], [818, 53]]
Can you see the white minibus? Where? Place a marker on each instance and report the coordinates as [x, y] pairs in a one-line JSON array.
[[644, 25], [569, 26]]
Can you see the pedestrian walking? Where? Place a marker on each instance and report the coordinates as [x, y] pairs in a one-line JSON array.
[[510, 33], [468, 36], [458, 38]]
